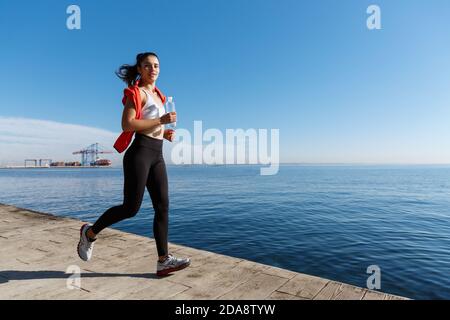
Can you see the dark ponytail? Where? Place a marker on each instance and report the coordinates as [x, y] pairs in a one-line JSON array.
[[129, 74]]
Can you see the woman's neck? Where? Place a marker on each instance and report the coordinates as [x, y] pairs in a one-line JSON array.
[[148, 85]]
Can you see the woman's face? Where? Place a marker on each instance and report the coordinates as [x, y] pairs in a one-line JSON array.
[[149, 69]]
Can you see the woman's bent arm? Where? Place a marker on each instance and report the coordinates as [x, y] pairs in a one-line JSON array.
[[130, 123]]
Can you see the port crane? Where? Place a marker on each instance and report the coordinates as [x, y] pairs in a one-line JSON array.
[[89, 155]]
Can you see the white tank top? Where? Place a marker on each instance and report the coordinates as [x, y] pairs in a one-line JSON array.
[[151, 110]]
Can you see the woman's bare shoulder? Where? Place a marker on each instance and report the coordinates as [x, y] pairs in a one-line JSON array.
[[129, 103]]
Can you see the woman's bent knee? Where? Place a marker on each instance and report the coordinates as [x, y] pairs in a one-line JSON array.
[[130, 211]]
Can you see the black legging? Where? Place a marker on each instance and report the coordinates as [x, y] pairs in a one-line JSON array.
[[143, 166]]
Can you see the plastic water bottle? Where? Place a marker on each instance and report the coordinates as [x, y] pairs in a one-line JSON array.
[[170, 107]]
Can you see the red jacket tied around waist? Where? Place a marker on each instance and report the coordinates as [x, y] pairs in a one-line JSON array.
[[132, 92]]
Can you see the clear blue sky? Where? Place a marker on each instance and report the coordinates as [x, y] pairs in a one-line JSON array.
[[338, 91]]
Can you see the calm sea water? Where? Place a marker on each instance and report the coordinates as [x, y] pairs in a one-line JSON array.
[[328, 221]]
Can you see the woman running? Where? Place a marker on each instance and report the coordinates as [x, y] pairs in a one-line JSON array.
[[143, 162]]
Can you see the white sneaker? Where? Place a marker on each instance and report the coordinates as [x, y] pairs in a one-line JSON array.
[[171, 264], [85, 246]]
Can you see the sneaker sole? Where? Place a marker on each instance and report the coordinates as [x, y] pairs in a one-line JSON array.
[[167, 271], [79, 242]]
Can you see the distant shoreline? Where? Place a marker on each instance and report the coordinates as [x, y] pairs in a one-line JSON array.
[[55, 167], [247, 164]]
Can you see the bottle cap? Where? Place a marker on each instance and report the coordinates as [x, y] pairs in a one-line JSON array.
[[170, 99]]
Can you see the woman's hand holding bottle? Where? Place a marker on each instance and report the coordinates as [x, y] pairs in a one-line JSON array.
[[168, 118]]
